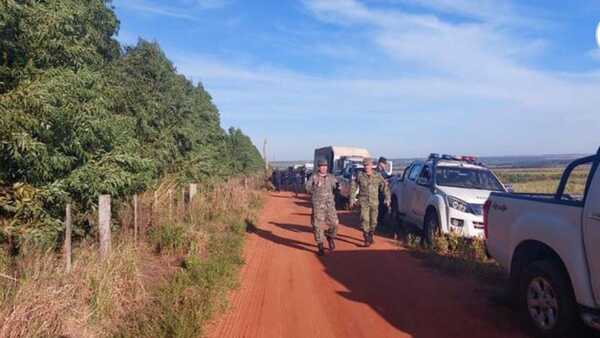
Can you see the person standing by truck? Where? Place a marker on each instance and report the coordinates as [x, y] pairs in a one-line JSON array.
[[369, 184], [321, 186], [382, 169]]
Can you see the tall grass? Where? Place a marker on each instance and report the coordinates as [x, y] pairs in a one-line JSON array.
[[46, 302], [165, 285]]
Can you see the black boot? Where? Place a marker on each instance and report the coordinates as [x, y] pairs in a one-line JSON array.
[[371, 240], [367, 240], [331, 243], [321, 250]]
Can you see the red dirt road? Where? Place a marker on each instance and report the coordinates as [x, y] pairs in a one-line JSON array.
[[382, 291]]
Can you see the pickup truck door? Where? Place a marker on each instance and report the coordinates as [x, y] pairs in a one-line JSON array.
[[409, 192], [422, 193], [398, 189], [591, 232]]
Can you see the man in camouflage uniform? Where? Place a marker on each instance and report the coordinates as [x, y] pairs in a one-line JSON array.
[[321, 186], [369, 184], [382, 168]]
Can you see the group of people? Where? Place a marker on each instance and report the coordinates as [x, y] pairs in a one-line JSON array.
[[369, 189], [292, 179]]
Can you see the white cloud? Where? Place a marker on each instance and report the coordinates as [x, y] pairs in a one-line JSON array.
[[149, 7], [180, 9], [470, 84], [468, 54]]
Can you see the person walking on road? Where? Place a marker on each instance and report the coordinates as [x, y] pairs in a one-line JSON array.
[[382, 168], [297, 182], [321, 186], [369, 184]]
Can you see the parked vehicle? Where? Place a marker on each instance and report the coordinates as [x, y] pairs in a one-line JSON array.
[[550, 247], [345, 180], [340, 157], [444, 194]]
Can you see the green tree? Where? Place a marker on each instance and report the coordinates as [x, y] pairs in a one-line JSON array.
[[80, 116], [37, 35]]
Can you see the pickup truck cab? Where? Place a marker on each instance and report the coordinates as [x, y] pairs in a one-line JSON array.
[[444, 194], [549, 246]]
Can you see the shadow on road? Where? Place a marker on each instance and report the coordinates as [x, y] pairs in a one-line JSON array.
[[408, 298], [307, 229], [270, 236], [293, 227], [303, 203]]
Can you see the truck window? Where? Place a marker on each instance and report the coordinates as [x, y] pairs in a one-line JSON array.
[[468, 178], [425, 175], [573, 186], [414, 172]]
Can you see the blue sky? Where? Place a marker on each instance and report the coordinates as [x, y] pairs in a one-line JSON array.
[[403, 78]]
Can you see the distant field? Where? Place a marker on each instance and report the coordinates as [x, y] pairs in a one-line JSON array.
[[542, 180]]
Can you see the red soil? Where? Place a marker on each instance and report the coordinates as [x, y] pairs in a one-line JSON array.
[[383, 291]]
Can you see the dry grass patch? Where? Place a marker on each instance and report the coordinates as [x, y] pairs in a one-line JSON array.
[[166, 285], [47, 302]]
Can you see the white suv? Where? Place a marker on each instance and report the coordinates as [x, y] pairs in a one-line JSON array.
[[444, 194]]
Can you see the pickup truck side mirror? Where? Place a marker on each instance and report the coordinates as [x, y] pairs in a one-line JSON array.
[[509, 187]]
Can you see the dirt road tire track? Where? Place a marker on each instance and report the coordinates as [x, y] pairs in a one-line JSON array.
[[381, 291]]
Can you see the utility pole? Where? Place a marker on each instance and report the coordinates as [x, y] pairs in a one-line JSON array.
[[265, 155]]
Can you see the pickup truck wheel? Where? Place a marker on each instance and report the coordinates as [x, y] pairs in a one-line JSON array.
[[431, 228], [546, 300]]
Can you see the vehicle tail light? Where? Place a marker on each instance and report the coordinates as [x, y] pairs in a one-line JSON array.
[[486, 212]]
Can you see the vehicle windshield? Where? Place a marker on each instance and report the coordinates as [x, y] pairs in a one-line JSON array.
[[468, 178]]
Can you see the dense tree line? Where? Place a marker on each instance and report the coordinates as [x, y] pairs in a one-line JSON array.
[[81, 115]]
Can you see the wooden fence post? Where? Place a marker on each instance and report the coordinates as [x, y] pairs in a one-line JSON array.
[[68, 234], [170, 193], [193, 190], [104, 217], [135, 217]]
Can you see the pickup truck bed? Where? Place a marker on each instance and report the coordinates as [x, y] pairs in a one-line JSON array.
[[548, 244]]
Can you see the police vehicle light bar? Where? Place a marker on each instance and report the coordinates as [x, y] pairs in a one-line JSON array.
[[469, 159]]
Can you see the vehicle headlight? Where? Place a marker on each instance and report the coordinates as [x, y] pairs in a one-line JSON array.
[[458, 204]]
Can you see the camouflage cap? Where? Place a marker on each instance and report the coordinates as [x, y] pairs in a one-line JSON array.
[[321, 162], [367, 161]]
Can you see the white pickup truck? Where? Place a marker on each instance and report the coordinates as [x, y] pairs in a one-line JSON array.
[[550, 247], [444, 194]]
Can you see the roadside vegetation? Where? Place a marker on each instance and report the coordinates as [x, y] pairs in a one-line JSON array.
[[168, 284], [450, 253], [80, 116]]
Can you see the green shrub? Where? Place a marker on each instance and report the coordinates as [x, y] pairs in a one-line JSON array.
[[184, 303], [456, 255], [170, 237]]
